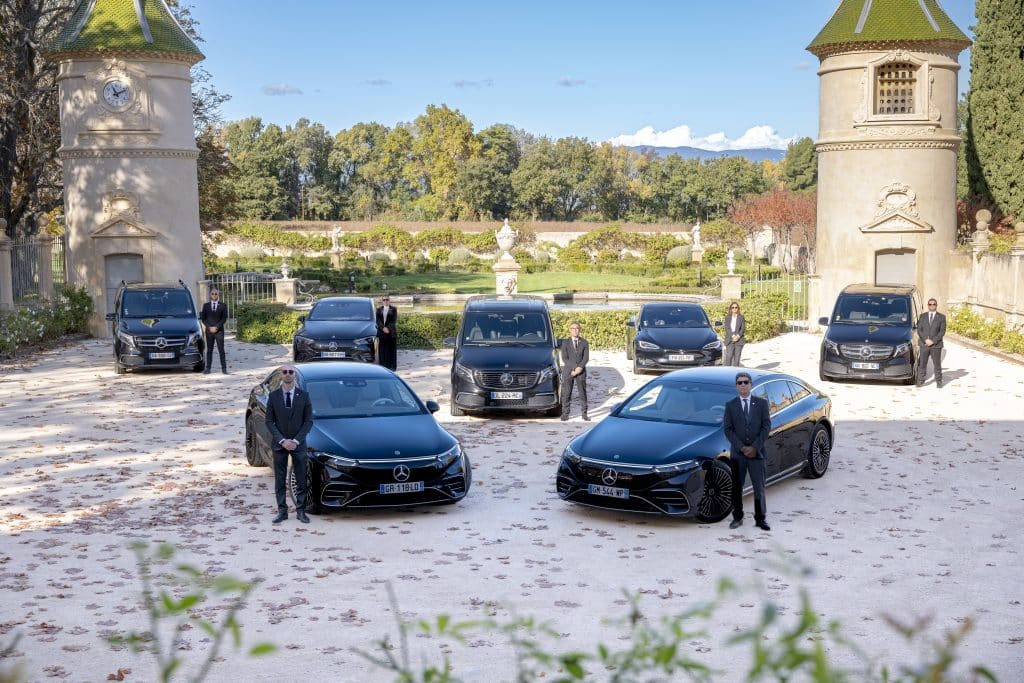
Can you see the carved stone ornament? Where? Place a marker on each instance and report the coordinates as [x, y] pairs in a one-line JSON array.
[[896, 211], [122, 216], [860, 115], [133, 86], [896, 131]]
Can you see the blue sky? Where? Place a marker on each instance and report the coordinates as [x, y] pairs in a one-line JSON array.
[[718, 75]]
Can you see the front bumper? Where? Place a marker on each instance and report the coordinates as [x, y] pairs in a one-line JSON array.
[[675, 359], [323, 351], [134, 359], [470, 396], [673, 493], [335, 487], [899, 368]]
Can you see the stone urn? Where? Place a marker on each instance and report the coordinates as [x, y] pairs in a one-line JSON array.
[[506, 238]]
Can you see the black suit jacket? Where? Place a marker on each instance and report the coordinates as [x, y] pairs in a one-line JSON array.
[[389, 322], [289, 423], [573, 358], [934, 331], [212, 318], [741, 431]]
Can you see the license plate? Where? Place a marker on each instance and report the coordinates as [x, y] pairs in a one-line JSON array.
[[864, 366], [680, 357], [161, 355], [507, 394], [610, 491], [332, 354], [404, 487]]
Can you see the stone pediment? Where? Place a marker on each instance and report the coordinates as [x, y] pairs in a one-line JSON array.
[[897, 222], [896, 211], [123, 227]]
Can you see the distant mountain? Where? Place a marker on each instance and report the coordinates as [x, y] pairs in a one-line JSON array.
[[755, 155]]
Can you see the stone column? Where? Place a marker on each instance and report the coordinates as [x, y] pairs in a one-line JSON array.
[[506, 276], [204, 292], [284, 290], [45, 244], [6, 274], [1015, 317], [815, 304], [732, 289]]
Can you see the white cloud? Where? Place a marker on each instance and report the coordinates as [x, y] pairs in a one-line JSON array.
[[281, 89], [682, 136], [567, 82], [485, 83]]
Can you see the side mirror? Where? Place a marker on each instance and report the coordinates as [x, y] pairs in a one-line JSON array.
[[449, 342], [302, 320], [432, 406], [558, 343], [719, 323], [111, 316], [823, 322], [631, 322]]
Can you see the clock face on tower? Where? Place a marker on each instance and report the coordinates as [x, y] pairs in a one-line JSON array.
[[117, 93]]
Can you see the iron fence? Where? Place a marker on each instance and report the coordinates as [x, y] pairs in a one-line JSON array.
[[792, 287], [27, 259], [243, 288]]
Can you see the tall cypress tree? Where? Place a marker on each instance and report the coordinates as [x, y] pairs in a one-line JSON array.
[[995, 117]]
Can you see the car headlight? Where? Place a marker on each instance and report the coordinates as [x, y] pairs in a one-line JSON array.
[[364, 341], [337, 460], [548, 372], [711, 346], [681, 466], [448, 458], [464, 372], [193, 338], [299, 339], [571, 455], [902, 349], [831, 347], [126, 338], [648, 346]]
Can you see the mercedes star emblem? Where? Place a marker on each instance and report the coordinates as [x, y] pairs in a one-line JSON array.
[[866, 352], [401, 473], [609, 476], [506, 379], [161, 343], [333, 346]]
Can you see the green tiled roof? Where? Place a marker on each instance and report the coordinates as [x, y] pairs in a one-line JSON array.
[[116, 25], [887, 21]]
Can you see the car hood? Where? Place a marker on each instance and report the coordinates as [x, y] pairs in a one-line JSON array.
[[380, 438], [842, 333], [159, 326], [644, 442], [506, 356], [338, 329], [678, 337]]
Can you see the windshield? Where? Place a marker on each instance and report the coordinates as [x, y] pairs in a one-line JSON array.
[[482, 327], [702, 404], [156, 303], [674, 316], [359, 397], [872, 310], [342, 310]]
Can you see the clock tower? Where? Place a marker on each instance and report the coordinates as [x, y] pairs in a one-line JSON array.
[[128, 148]]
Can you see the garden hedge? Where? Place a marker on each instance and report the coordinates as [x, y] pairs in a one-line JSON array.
[[604, 329]]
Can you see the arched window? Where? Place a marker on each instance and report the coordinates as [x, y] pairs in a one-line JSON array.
[[894, 88]]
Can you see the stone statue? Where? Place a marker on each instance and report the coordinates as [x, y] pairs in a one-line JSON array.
[[696, 235], [334, 239]]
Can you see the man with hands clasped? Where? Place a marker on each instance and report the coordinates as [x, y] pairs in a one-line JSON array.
[[289, 419], [746, 424]]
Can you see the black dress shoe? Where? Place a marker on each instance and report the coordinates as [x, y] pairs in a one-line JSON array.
[[939, 383], [586, 418], [224, 370], [281, 516], [564, 418], [301, 516], [206, 371], [763, 525], [736, 524]]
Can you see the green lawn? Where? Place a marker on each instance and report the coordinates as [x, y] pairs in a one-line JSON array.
[[529, 283]]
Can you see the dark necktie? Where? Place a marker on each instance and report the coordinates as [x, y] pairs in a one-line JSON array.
[[287, 399], [576, 344], [215, 305], [746, 408]]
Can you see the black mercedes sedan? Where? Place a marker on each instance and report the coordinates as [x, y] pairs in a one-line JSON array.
[[337, 328], [374, 443], [669, 336], [663, 449]]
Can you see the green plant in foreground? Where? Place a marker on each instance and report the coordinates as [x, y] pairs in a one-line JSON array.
[[172, 613], [780, 648]]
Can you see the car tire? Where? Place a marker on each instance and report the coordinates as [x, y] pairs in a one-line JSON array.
[[118, 368], [312, 505], [636, 368], [199, 367], [819, 452], [554, 412], [629, 350], [715, 502], [252, 448], [456, 411]]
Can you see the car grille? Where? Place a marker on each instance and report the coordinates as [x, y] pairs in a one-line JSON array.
[[152, 342], [866, 351], [517, 380]]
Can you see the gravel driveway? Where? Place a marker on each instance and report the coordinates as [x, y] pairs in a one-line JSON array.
[[919, 515]]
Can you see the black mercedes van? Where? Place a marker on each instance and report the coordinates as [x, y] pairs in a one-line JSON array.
[[870, 334], [506, 357], [155, 325]]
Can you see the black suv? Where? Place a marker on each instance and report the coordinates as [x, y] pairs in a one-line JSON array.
[[506, 356], [871, 334], [156, 326]]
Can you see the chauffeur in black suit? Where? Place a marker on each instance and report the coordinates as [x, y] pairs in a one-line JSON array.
[[747, 424], [289, 419], [213, 317], [575, 356], [931, 328], [387, 334]]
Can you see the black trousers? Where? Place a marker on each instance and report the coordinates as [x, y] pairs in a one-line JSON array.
[[924, 353], [299, 460], [218, 338], [741, 467], [387, 351], [580, 381]]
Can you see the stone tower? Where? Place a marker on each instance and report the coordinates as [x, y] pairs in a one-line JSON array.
[[887, 146], [128, 148]]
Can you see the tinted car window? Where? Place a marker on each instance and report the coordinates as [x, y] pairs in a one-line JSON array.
[[673, 316], [357, 397], [341, 310], [777, 393], [678, 402], [144, 303], [798, 391], [874, 309], [491, 327]]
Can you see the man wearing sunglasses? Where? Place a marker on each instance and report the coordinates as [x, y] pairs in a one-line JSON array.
[[931, 328], [746, 425], [289, 419], [213, 317]]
